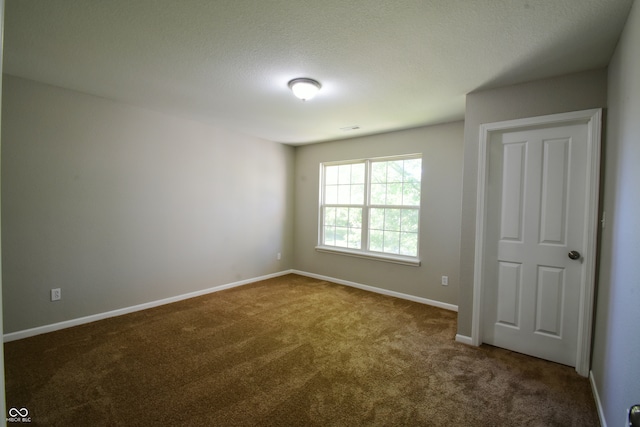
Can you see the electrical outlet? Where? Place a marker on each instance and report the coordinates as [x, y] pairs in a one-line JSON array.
[[445, 280], [56, 294], [279, 256]]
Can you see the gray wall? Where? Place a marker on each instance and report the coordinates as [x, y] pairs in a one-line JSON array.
[[441, 148], [572, 92], [616, 352], [118, 205]]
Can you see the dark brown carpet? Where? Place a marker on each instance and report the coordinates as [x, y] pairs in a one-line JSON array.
[[289, 351]]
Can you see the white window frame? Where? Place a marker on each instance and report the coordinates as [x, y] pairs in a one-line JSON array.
[[364, 252]]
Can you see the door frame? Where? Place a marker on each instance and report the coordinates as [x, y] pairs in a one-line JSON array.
[[593, 119]]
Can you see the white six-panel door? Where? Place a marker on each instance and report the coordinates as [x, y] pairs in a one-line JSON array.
[[536, 236], [536, 202]]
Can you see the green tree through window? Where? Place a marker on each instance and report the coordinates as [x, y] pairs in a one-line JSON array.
[[372, 205]]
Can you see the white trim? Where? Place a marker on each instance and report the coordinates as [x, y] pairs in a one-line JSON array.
[[464, 339], [476, 319], [591, 221], [592, 118], [100, 316], [387, 292], [396, 259], [596, 397]]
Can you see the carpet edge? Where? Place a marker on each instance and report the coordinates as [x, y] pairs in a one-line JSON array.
[[434, 303], [26, 333]]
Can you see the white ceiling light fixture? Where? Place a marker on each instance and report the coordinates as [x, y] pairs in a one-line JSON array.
[[304, 88]]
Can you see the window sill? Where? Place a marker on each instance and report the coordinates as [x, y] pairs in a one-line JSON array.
[[396, 259]]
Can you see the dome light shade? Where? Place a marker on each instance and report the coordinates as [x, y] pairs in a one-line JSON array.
[[304, 88]]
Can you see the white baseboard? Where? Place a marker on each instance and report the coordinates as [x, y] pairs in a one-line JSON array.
[[400, 295], [464, 339], [126, 310], [596, 396], [94, 317]]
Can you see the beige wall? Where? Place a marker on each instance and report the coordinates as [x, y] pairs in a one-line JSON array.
[[573, 92], [441, 148], [118, 205], [616, 350]]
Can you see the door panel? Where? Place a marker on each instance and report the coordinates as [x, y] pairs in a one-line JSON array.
[[554, 196], [512, 191], [550, 301], [509, 294]]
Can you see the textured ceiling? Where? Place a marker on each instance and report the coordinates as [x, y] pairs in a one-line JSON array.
[[384, 64]]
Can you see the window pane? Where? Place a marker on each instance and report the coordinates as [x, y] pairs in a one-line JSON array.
[[378, 194], [344, 174], [409, 244], [357, 173], [341, 236], [357, 194], [331, 194], [344, 194], [402, 179], [330, 216], [395, 171], [355, 237], [409, 220], [413, 170], [355, 217], [331, 175], [376, 219], [411, 194], [376, 240], [329, 236], [378, 172], [392, 242], [394, 194], [392, 219], [342, 217]]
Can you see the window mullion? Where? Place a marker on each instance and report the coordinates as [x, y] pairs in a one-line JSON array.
[[365, 207]]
